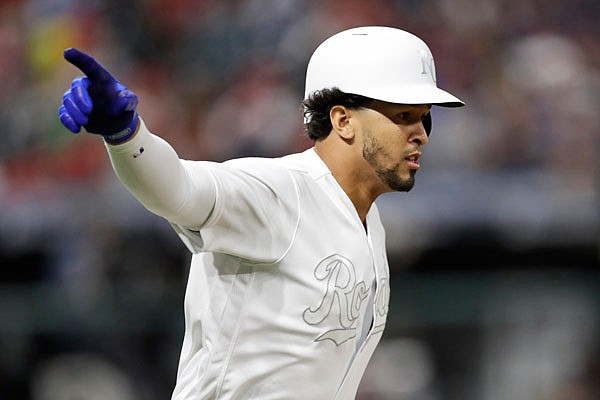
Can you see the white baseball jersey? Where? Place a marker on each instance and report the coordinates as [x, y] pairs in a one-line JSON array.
[[288, 292]]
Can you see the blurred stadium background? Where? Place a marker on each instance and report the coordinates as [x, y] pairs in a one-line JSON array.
[[494, 255]]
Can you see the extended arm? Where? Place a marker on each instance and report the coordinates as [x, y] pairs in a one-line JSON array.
[[183, 192]]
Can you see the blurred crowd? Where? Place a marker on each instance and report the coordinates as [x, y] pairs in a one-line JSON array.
[[224, 78]]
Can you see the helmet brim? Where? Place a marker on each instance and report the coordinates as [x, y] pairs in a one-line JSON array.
[[409, 94]]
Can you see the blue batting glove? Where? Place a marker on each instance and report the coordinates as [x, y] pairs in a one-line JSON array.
[[98, 102]]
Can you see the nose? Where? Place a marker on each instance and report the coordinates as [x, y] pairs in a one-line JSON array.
[[420, 135]]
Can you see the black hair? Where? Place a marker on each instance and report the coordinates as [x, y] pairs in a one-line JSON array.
[[319, 104]]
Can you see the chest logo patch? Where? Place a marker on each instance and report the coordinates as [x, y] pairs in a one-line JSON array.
[[341, 302]]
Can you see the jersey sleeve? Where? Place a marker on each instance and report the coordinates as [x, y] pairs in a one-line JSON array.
[[247, 208], [255, 215], [181, 191]]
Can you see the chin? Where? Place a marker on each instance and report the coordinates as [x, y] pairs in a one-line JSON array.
[[402, 185], [395, 182]]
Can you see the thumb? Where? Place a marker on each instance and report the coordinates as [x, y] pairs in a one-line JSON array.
[[126, 100]]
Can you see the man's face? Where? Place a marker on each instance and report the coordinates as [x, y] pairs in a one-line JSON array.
[[392, 137]]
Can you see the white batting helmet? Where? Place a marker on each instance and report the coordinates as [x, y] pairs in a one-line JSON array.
[[378, 62]]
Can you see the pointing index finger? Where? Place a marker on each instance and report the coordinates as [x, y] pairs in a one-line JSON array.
[[88, 65]]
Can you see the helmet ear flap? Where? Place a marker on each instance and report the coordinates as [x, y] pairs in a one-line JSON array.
[[427, 123]]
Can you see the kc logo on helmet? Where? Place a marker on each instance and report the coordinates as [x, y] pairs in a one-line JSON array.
[[427, 65]]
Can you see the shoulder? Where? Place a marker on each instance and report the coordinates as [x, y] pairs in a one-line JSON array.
[[266, 170], [253, 175], [305, 162]]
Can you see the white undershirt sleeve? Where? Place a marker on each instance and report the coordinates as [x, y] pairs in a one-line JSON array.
[[183, 192]]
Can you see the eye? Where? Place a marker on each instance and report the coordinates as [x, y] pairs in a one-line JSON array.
[[402, 117], [409, 116]]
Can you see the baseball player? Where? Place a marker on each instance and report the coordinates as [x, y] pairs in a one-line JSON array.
[[288, 288]]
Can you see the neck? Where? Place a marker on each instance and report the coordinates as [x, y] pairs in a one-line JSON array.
[[352, 176]]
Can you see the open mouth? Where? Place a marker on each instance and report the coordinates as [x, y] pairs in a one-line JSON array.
[[413, 161]]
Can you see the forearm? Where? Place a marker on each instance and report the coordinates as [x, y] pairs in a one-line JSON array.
[[182, 192]]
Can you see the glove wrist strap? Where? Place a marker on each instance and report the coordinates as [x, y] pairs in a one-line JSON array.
[[125, 134]]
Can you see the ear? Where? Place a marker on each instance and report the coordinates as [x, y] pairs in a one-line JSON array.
[[340, 122]]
